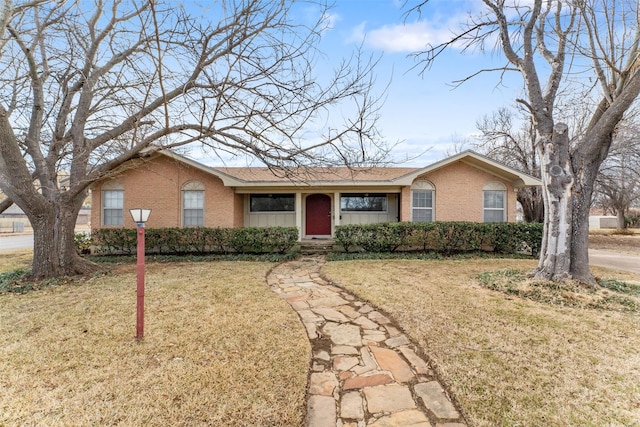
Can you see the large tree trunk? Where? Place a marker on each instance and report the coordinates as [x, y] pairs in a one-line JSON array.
[[580, 206], [557, 188], [54, 251], [567, 189]]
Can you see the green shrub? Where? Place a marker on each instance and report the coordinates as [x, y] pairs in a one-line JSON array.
[[632, 219], [82, 242], [198, 240], [441, 237], [114, 240], [347, 236], [256, 240]]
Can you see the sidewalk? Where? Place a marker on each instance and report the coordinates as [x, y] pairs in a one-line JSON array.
[[365, 371]]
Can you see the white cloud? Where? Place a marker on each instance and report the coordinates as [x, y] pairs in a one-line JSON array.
[[436, 25], [407, 37]]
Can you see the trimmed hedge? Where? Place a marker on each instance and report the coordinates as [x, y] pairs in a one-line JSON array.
[[441, 237], [201, 240]]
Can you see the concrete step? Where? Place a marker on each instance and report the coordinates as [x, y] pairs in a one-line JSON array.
[[316, 246]]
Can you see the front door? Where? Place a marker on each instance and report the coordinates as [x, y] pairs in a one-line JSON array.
[[318, 215]]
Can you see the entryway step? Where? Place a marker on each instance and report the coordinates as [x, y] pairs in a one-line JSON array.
[[316, 246]]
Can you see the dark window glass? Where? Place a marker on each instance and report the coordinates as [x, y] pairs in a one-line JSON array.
[[272, 203], [363, 203]]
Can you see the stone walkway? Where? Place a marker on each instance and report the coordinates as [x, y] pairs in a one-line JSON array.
[[364, 371]]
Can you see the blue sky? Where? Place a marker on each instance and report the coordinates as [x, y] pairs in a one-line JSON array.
[[423, 111], [423, 114]]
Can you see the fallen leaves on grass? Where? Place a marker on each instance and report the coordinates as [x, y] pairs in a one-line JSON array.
[[610, 294]]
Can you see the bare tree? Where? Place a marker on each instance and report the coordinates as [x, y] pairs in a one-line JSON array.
[[618, 183], [510, 138], [585, 46], [86, 86]]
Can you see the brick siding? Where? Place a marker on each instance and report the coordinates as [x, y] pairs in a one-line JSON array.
[[458, 194], [157, 184]]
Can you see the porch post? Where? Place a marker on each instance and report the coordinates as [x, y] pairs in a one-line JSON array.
[[299, 215], [405, 204], [336, 211]]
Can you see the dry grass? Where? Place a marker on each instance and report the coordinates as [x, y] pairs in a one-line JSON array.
[[509, 361], [13, 260], [625, 243], [611, 294], [219, 349]]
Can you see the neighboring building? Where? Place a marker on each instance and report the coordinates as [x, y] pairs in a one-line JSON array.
[[603, 221], [184, 193], [13, 219]]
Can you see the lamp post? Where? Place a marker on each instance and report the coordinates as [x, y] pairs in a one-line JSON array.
[[140, 216]]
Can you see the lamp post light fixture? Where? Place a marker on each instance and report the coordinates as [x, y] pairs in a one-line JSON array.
[[140, 216]]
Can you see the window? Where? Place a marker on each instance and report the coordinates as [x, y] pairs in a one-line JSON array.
[[112, 205], [272, 203], [422, 201], [363, 203], [494, 199], [193, 204]]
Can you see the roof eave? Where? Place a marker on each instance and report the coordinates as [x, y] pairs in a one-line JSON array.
[[517, 178], [227, 180]]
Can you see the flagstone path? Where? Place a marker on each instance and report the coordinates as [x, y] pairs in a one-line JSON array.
[[365, 371]]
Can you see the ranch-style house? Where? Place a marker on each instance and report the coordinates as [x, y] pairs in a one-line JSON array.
[[184, 193]]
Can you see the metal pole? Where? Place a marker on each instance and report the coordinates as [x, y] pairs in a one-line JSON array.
[[140, 287]]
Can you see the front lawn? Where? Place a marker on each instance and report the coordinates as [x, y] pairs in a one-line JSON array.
[[220, 348], [508, 360]]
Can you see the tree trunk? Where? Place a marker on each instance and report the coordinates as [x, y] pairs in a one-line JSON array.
[[621, 223], [581, 204], [567, 189], [531, 201], [54, 251], [557, 178]]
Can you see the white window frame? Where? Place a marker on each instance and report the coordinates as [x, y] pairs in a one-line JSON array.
[[494, 187], [112, 188], [423, 187], [193, 187]]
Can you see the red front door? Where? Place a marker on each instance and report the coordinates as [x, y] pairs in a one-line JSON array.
[[318, 212]]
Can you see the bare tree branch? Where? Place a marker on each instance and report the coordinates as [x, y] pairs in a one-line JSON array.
[[4, 204], [550, 43], [87, 86]]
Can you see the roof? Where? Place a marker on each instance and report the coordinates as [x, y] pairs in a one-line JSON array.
[[343, 176], [323, 174]]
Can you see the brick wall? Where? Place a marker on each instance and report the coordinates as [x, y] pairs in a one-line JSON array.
[[157, 184], [458, 194]]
